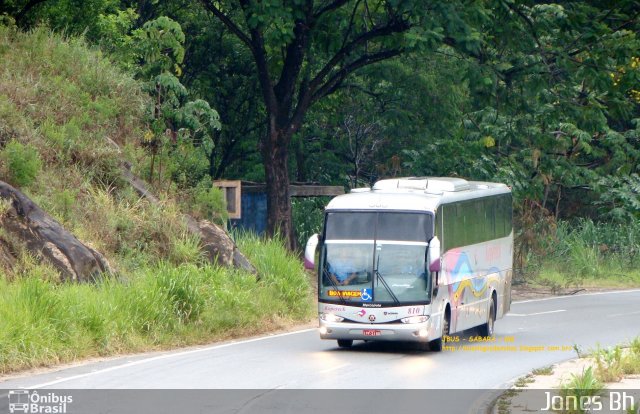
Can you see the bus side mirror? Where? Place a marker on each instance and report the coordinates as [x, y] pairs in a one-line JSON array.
[[434, 255], [310, 252]]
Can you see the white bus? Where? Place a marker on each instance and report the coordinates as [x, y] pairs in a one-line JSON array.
[[414, 259]]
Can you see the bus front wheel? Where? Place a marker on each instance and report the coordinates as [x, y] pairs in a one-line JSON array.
[[436, 344], [345, 343]]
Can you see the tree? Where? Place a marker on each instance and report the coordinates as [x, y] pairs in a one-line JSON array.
[[18, 9], [304, 50], [554, 99], [218, 69]]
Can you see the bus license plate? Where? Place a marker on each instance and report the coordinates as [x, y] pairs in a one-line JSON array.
[[371, 332]]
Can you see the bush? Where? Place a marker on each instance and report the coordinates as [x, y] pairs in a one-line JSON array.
[[22, 162], [209, 203], [308, 216]]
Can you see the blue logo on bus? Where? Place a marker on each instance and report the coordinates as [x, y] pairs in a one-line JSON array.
[[365, 295]]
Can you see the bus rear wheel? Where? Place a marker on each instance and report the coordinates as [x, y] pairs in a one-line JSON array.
[[487, 328], [345, 343]]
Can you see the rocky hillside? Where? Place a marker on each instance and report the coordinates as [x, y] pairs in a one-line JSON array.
[[72, 129]]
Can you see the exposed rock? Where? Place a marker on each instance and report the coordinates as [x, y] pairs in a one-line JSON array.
[[216, 242], [218, 245], [47, 239]]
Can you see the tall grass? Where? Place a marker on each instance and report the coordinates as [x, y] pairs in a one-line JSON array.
[[589, 253], [280, 269], [42, 322], [580, 388]]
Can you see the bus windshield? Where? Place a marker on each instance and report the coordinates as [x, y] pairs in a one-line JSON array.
[[375, 257]]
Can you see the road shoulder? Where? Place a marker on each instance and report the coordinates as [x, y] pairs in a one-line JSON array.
[[543, 388]]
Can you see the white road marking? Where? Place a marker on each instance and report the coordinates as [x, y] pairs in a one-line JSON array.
[[164, 356], [324, 371], [623, 314], [537, 313]]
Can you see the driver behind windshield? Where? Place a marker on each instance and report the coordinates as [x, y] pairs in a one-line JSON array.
[[342, 268]]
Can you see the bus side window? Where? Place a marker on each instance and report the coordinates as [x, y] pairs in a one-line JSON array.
[[440, 227], [449, 219]]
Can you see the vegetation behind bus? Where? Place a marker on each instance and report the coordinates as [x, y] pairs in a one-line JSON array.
[[579, 253]]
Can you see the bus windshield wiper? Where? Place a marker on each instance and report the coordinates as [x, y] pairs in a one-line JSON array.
[[384, 282], [386, 286], [328, 276]]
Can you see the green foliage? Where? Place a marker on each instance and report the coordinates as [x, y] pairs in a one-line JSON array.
[[585, 253], [582, 385], [134, 232], [282, 271], [160, 44], [620, 198], [170, 92], [13, 123], [6, 20], [188, 165], [157, 306], [308, 217], [23, 163], [635, 346], [522, 382], [174, 120], [185, 248], [113, 32], [5, 205], [563, 123], [196, 123], [593, 248], [209, 203], [64, 202], [613, 363], [65, 102], [608, 363], [543, 371], [199, 119], [181, 290], [67, 15]]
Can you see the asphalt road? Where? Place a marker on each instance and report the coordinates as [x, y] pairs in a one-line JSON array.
[[536, 333]]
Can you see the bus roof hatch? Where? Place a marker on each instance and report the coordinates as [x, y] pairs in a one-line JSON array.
[[430, 184]]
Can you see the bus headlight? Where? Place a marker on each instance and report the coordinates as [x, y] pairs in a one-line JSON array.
[[330, 317], [415, 319]]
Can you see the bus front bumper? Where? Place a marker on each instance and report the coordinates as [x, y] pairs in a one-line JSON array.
[[418, 332]]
